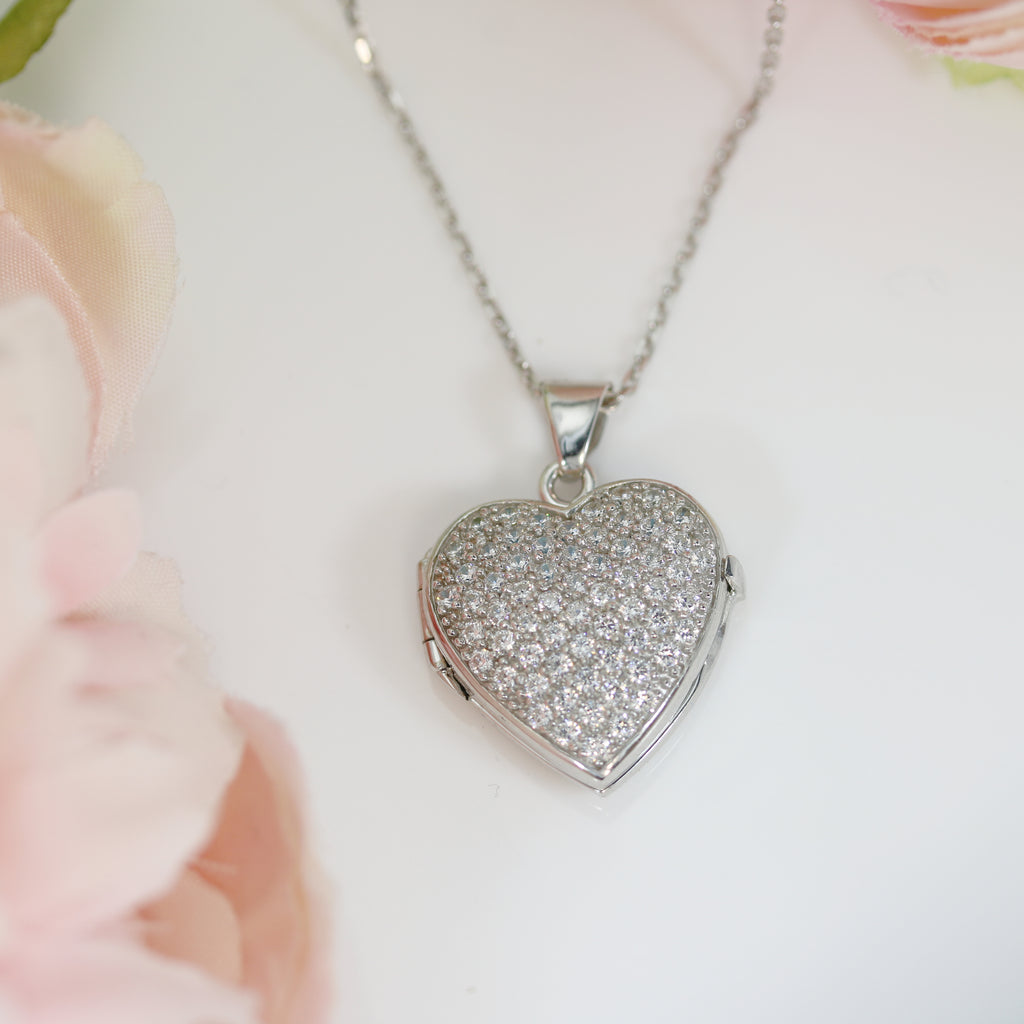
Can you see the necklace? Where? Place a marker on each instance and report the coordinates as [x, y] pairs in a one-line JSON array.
[[583, 624]]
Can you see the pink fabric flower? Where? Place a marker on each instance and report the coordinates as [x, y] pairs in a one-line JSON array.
[[154, 864], [114, 753], [152, 842], [987, 31]]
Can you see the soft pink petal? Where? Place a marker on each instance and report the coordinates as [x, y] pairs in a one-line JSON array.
[[151, 592], [79, 193], [43, 391], [24, 603], [989, 31], [106, 981], [196, 922], [130, 653], [105, 791], [20, 483], [87, 546], [259, 858]]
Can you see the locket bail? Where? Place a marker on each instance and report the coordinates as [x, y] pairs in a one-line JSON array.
[[575, 414]]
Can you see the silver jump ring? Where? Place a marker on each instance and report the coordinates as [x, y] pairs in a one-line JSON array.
[[554, 473]]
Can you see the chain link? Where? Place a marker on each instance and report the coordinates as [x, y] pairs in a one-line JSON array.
[[745, 117]]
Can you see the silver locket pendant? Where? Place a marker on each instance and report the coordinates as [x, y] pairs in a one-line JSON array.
[[584, 628]]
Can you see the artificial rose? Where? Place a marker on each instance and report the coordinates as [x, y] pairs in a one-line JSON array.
[[151, 834], [987, 31], [153, 854], [80, 226]]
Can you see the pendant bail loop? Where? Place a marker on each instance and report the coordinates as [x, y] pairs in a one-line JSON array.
[[575, 414]]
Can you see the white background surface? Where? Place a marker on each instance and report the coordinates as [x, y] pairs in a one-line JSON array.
[[836, 835]]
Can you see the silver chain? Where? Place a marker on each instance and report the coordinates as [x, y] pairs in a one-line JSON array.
[[745, 116]]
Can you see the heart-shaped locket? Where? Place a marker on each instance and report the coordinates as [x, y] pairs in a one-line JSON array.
[[583, 631]]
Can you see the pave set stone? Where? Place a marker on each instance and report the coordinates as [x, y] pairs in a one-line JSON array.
[[580, 625]]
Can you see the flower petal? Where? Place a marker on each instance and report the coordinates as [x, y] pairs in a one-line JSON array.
[[196, 922], [989, 31], [80, 194], [111, 981], [259, 858], [87, 546], [106, 790], [43, 391]]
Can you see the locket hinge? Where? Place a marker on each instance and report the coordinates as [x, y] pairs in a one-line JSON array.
[[438, 662]]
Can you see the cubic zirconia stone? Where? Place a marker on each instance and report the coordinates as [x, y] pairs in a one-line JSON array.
[[480, 662], [660, 621], [531, 655], [473, 633], [517, 561], [576, 612], [533, 685], [581, 646], [555, 634], [622, 547], [503, 640], [628, 576], [525, 620], [558, 665], [575, 583], [678, 571], [497, 612], [502, 681], [545, 574], [537, 715]]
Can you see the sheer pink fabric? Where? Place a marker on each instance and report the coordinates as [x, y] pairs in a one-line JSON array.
[[79, 225], [154, 860], [987, 31]]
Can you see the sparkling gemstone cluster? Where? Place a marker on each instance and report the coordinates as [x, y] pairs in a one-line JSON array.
[[580, 624]]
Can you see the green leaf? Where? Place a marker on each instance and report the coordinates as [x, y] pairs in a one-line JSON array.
[[23, 29], [967, 72]]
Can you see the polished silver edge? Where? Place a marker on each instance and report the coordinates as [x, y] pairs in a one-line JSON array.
[[461, 678]]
